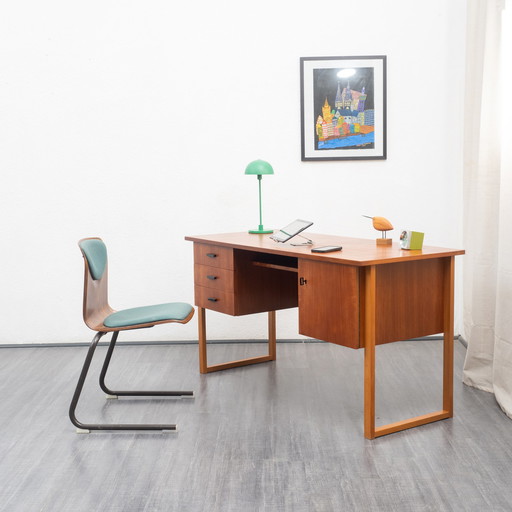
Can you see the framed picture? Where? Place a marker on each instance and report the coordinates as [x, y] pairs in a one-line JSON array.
[[343, 108]]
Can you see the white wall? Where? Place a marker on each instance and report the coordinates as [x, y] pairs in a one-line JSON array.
[[135, 120]]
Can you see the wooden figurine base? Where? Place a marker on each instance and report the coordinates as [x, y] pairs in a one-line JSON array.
[[384, 241]]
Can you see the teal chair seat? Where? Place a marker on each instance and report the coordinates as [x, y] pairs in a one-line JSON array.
[[173, 311]]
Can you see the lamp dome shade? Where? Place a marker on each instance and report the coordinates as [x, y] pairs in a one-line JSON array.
[[259, 167]]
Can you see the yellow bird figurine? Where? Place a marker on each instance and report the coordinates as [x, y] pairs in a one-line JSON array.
[[383, 225]]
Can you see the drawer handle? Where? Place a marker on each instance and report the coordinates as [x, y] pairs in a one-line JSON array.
[[211, 278], [212, 299], [211, 255]]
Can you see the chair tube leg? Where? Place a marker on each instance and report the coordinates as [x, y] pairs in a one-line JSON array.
[[80, 384], [115, 394], [87, 427]]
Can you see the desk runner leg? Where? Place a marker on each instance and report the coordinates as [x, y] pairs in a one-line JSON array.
[[203, 358], [448, 337], [369, 352], [370, 431]]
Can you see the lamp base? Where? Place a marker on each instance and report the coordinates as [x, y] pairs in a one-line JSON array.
[[261, 231]]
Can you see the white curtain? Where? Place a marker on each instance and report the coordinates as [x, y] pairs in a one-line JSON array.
[[488, 205]]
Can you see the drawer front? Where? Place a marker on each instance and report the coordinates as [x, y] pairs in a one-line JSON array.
[[213, 277], [216, 300], [213, 256]]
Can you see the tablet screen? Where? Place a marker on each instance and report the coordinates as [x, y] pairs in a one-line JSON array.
[[284, 234]]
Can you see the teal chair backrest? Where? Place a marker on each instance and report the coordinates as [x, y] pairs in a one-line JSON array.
[[95, 252]]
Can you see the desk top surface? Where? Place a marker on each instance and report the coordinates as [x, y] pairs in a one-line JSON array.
[[356, 251]]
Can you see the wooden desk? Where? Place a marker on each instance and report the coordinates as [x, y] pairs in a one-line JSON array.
[[360, 297]]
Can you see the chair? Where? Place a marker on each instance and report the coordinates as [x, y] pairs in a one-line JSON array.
[[100, 317]]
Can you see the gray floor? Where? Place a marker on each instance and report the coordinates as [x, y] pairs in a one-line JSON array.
[[284, 436]]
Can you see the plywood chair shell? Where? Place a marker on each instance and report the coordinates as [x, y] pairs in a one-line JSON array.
[[96, 307]]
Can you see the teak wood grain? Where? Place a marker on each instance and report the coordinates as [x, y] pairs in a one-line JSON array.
[[204, 367], [409, 299], [356, 251], [213, 256], [329, 302], [448, 296], [360, 297], [227, 281], [212, 277]]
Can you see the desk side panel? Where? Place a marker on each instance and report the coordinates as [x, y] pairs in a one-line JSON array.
[[409, 299]]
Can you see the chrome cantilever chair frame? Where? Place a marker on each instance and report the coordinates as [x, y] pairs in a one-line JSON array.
[[95, 310]]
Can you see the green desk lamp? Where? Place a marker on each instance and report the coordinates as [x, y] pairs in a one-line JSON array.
[[259, 167]]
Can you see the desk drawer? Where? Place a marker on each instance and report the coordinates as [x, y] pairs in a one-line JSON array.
[[213, 256], [212, 277], [216, 300]]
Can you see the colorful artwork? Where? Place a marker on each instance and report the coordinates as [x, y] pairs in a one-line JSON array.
[[344, 113], [343, 108]]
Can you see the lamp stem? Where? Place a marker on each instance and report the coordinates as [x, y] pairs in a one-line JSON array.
[[259, 187], [261, 230]]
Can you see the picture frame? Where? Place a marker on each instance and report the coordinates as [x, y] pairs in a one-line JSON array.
[[343, 108]]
